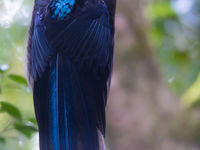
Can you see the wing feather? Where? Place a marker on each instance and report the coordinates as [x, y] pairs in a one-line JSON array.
[[41, 49], [85, 38]]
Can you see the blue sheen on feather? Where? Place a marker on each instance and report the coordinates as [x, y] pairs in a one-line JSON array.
[[59, 138], [61, 8], [54, 110]]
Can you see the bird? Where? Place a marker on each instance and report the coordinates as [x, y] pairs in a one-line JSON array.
[[69, 59]]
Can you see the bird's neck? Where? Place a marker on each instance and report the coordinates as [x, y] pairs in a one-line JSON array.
[[61, 8]]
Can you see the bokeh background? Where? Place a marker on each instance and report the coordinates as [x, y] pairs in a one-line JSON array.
[[154, 102]]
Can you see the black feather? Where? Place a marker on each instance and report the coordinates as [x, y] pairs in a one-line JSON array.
[[80, 50]]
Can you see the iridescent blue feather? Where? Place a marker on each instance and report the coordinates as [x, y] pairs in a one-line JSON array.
[[61, 8], [53, 107]]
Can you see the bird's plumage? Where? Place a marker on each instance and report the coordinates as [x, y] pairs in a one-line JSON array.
[[69, 57]]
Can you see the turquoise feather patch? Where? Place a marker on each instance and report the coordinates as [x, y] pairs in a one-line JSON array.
[[61, 8]]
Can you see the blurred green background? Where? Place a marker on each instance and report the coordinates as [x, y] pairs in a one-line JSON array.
[[154, 102]]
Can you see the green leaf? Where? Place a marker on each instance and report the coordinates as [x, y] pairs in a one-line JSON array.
[[2, 140], [1, 71], [18, 79], [32, 120], [161, 10], [10, 109], [25, 129], [191, 98]]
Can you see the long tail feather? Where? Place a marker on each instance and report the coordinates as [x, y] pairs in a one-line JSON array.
[[70, 106]]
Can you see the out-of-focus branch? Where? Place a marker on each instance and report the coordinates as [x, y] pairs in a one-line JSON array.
[[133, 10]]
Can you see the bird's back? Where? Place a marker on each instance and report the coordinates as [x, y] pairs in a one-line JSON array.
[[70, 54]]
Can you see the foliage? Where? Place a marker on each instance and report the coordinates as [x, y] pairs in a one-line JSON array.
[[175, 38], [18, 124], [25, 126]]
